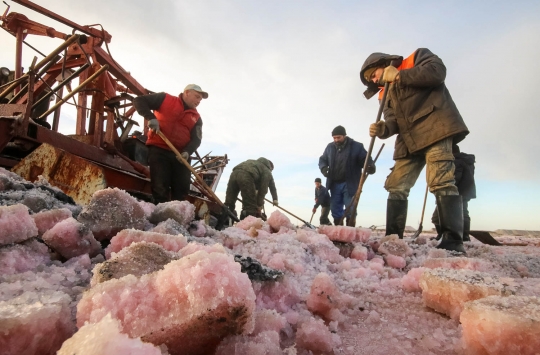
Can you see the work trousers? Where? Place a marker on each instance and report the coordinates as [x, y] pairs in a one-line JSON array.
[[439, 162], [169, 178], [340, 199], [242, 182], [325, 210]]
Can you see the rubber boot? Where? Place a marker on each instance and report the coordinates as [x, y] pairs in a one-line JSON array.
[[338, 221], [466, 229], [396, 217], [351, 223], [439, 232], [451, 219]]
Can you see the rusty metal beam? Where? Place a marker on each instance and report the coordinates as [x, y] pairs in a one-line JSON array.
[[119, 72]]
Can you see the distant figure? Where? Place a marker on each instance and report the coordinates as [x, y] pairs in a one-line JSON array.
[[464, 176], [322, 198], [252, 179], [178, 119], [421, 112], [341, 164]]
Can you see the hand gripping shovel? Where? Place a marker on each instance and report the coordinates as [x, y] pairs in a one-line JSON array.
[[209, 193]]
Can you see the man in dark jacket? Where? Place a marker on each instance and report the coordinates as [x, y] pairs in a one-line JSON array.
[[420, 110], [341, 164], [464, 176], [322, 198], [252, 179], [178, 119]]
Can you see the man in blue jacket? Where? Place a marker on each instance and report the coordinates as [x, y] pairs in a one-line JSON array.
[[341, 164], [322, 198]]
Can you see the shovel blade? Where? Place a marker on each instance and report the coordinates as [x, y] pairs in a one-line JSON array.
[[417, 233], [484, 237]]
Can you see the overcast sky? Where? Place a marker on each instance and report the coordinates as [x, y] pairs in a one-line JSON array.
[[282, 74]]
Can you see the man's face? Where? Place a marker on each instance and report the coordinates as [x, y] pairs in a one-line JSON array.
[[192, 98], [376, 75], [339, 139], [317, 184]]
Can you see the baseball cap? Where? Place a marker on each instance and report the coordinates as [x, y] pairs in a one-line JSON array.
[[198, 89]]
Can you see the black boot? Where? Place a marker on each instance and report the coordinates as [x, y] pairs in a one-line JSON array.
[[351, 223], [338, 221], [396, 217], [439, 231], [451, 218], [466, 229]]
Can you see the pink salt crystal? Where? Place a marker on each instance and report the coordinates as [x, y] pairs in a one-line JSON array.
[[456, 263], [104, 337], [361, 272], [437, 253], [374, 244], [47, 219], [268, 319], [137, 259], [498, 325], [16, 225], [110, 211], [397, 262], [147, 207], [22, 257], [265, 343], [198, 229], [128, 236], [323, 297], [35, 323], [195, 247], [277, 261], [189, 306], [182, 212], [359, 253], [395, 247], [339, 233], [376, 266], [447, 290], [410, 282], [71, 238], [278, 220], [250, 222], [315, 336]]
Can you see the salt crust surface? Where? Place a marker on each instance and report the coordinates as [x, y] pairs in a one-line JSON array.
[[502, 325], [45, 220], [182, 212], [16, 225], [17, 258], [71, 238], [345, 233], [128, 236], [104, 337]]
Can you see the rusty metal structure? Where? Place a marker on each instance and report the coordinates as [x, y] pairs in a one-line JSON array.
[[102, 152]]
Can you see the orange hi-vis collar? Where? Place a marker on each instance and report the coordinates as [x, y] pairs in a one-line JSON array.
[[407, 63]]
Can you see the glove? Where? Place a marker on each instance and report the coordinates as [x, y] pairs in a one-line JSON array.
[[275, 202], [324, 171], [153, 124], [370, 169], [314, 210], [377, 129], [185, 155], [389, 74]]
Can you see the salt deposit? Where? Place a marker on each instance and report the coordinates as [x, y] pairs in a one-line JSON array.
[[45, 220], [182, 212], [128, 236], [498, 325], [71, 238], [16, 225], [22, 257], [345, 234]]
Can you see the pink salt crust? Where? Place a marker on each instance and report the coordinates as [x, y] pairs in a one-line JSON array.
[[195, 247], [397, 262], [265, 343], [498, 325], [199, 230], [110, 211], [457, 263], [345, 233], [182, 212], [314, 335], [189, 306], [16, 225], [19, 258], [104, 337], [278, 220], [128, 236], [359, 253], [47, 219], [250, 222], [71, 238], [325, 299], [447, 290], [35, 323]]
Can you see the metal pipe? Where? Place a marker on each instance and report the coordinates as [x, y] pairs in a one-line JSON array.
[[61, 85], [18, 55], [38, 75], [76, 90]]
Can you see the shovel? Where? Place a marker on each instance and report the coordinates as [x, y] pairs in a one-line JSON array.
[[311, 219], [484, 237], [419, 230], [306, 223]]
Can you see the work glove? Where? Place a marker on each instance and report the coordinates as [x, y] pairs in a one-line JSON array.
[[153, 124], [185, 155], [370, 169], [377, 129], [324, 171], [275, 202], [314, 210], [389, 74]]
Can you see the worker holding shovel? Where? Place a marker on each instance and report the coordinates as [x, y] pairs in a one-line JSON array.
[[322, 198], [420, 110]]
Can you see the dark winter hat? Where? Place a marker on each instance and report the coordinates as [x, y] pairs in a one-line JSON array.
[[318, 180], [339, 131]]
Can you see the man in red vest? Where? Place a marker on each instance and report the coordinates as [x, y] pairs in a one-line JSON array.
[[421, 112], [178, 119]]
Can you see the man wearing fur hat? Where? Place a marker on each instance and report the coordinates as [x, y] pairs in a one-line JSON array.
[[421, 112], [341, 164]]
